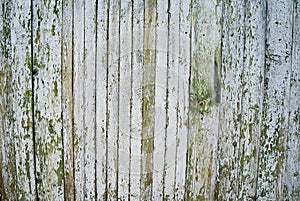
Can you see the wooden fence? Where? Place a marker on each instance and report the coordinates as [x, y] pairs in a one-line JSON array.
[[150, 100]]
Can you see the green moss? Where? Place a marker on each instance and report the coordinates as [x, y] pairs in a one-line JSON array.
[[55, 9], [60, 173], [55, 90], [53, 30], [200, 95], [251, 61], [51, 127]]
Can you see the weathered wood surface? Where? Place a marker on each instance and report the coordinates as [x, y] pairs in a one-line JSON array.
[[149, 100]]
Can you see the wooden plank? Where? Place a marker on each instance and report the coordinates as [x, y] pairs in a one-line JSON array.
[[124, 99], [85, 66], [160, 99], [276, 99], [8, 177], [148, 96], [252, 97], [67, 98], [231, 99], [2, 100], [172, 99], [22, 90], [113, 100], [204, 99], [183, 103], [47, 19], [275, 115], [101, 97], [89, 111], [78, 93], [136, 110], [291, 177]]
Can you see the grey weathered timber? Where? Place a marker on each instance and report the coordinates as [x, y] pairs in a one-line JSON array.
[[8, 178], [275, 117], [46, 77], [149, 100]]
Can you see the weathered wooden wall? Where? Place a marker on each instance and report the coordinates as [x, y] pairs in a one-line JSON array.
[[150, 100]]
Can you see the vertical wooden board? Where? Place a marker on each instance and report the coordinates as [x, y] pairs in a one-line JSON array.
[[291, 181], [204, 99], [7, 160], [172, 99], [113, 100], [276, 99], [84, 99], [252, 97], [89, 112], [160, 99], [2, 128], [124, 98], [183, 99], [22, 90], [78, 93], [67, 97], [231, 101], [47, 19], [101, 97], [2, 83], [136, 110], [148, 98]]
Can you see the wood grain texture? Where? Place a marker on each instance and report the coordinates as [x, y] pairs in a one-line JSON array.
[[183, 100], [22, 76], [101, 98], [204, 99], [67, 98], [124, 99], [252, 97], [47, 23], [172, 100], [136, 102], [8, 179], [233, 42], [86, 116], [89, 117], [113, 99], [149, 100], [160, 101], [78, 90], [291, 176], [276, 99]]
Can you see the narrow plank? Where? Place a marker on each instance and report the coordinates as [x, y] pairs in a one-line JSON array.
[[160, 100], [124, 99], [47, 19], [7, 160], [252, 98], [89, 112], [2, 84], [22, 90], [113, 100], [291, 181], [183, 101], [136, 102], [78, 94], [101, 97], [276, 99], [67, 98], [148, 96], [231, 99], [172, 99], [204, 99]]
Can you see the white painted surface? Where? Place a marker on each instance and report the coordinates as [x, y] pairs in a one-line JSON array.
[[149, 100]]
